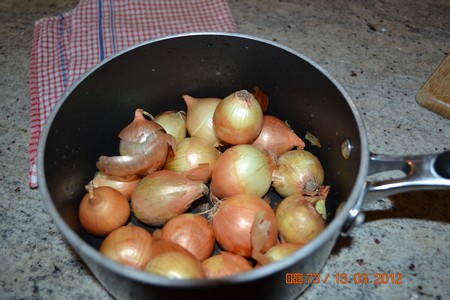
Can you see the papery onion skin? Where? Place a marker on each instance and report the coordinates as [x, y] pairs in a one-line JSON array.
[[232, 219], [297, 219], [129, 245], [297, 171], [162, 245], [276, 136], [199, 118], [225, 264], [194, 158], [175, 265], [140, 129], [238, 118], [102, 210], [174, 123], [125, 185], [193, 232], [242, 169], [164, 194]]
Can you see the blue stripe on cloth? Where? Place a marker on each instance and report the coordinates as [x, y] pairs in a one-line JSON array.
[[111, 18], [100, 30], [62, 58]]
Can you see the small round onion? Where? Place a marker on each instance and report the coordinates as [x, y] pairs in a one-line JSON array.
[[199, 118], [129, 245], [297, 219], [193, 232], [161, 245], [125, 185], [164, 194], [276, 136], [242, 169], [238, 118], [232, 220], [174, 123], [225, 264], [194, 158], [297, 171], [102, 210], [139, 130], [176, 265], [280, 251]]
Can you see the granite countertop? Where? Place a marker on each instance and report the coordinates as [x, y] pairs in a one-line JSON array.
[[381, 52]]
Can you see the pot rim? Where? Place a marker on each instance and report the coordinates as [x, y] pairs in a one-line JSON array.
[[86, 250]]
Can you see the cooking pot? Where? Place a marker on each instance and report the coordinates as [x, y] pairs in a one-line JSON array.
[[154, 75]]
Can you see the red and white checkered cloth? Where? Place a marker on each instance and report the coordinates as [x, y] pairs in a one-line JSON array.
[[67, 45]]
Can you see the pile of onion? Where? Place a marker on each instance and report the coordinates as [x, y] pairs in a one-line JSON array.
[[229, 149]]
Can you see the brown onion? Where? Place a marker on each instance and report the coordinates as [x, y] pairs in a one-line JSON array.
[[176, 265], [242, 169], [225, 264], [193, 232], [140, 129], [297, 171], [102, 210], [297, 219], [129, 245], [174, 123], [164, 194], [280, 251], [199, 116], [232, 220], [161, 245], [276, 136], [125, 185], [238, 118]]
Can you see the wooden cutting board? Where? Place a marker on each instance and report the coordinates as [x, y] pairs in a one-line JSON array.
[[435, 93]]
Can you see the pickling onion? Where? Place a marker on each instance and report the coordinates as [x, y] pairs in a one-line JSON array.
[[129, 245], [164, 194], [280, 251], [125, 185], [176, 265], [232, 220], [193, 232], [225, 264], [102, 210], [242, 169], [297, 171], [194, 158], [174, 123], [161, 245], [139, 129], [277, 136], [238, 118], [297, 219], [199, 114]]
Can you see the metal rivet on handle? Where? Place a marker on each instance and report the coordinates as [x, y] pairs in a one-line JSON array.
[[346, 148]]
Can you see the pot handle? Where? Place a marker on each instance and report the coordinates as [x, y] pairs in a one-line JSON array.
[[422, 172]]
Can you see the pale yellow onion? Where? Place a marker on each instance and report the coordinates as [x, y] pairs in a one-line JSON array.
[[199, 116], [194, 158], [242, 169], [175, 265], [164, 194], [297, 219], [238, 118], [225, 264], [297, 171], [125, 185], [280, 251], [174, 123]]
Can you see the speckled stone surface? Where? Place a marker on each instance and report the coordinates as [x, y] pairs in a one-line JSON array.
[[381, 52]]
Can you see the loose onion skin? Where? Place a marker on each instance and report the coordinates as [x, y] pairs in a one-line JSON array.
[[174, 123], [238, 118], [140, 129], [242, 169], [163, 195], [297, 219], [175, 265], [194, 158], [276, 136], [199, 118], [125, 185], [225, 264], [129, 245], [192, 232], [232, 219], [102, 210], [297, 171]]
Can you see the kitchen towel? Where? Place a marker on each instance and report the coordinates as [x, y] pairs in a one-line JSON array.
[[66, 46]]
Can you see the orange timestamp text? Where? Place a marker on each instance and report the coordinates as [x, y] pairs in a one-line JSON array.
[[344, 278]]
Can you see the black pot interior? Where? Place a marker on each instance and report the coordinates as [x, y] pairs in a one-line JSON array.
[[155, 75]]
